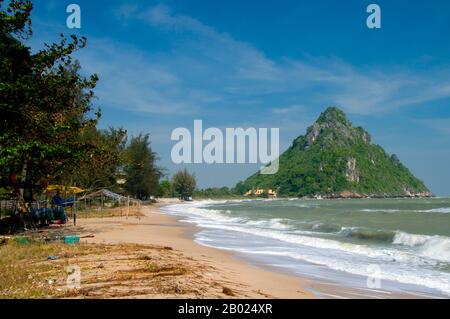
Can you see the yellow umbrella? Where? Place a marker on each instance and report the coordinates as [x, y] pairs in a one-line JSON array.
[[67, 189]]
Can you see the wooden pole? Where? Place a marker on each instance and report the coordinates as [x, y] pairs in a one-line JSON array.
[[101, 206], [128, 205], [139, 210], [75, 209]]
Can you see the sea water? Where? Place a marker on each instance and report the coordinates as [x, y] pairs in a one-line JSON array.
[[404, 243]]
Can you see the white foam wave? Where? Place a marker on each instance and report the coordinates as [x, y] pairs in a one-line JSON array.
[[273, 223], [437, 248], [427, 250], [443, 210], [434, 247], [410, 240], [213, 219], [380, 210], [401, 274]]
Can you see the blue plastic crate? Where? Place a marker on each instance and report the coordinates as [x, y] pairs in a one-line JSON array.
[[71, 239]]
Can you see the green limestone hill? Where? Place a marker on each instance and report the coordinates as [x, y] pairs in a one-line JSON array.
[[335, 159]]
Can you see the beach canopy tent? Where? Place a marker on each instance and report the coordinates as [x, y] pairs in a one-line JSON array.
[[104, 193], [65, 189]]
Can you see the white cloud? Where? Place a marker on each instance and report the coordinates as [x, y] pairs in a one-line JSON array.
[[247, 62], [357, 90], [133, 80], [298, 109], [204, 68]]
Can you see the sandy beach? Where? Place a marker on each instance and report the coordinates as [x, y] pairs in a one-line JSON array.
[[223, 268], [151, 254]]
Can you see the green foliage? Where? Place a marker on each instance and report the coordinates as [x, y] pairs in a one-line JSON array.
[[105, 155], [15, 18], [165, 189], [240, 188], [48, 123], [45, 102], [141, 170], [316, 164], [214, 192], [184, 184]]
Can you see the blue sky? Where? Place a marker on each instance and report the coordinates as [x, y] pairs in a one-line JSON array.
[[163, 64]]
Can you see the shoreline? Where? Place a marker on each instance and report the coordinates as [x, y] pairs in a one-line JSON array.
[[246, 276], [157, 228], [165, 251], [322, 281]]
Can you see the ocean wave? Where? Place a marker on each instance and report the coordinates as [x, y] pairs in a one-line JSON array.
[[326, 228], [212, 218], [443, 210], [437, 248], [273, 223], [367, 234], [404, 276], [199, 214], [368, 210], [423, 252], [434, 247], [388, 255], [411, 240], [195, 210]]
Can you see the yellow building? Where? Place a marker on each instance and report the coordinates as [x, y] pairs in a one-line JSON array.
[[260, 191]]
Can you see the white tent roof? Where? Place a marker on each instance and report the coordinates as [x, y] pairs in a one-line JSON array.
[[108, 194]]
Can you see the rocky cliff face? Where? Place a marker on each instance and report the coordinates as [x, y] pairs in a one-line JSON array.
[[336, 159], [351, 173]]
